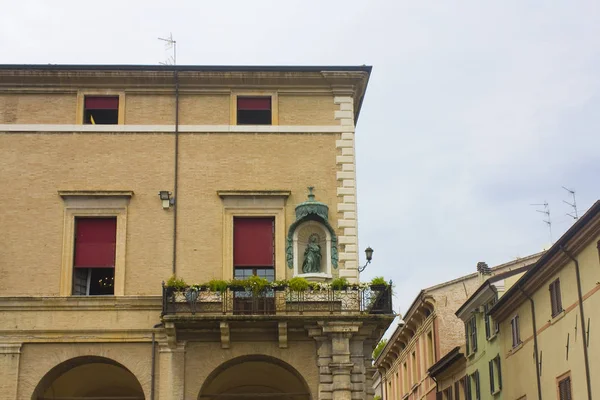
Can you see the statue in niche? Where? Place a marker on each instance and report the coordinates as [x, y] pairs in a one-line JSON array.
[[312, 255]]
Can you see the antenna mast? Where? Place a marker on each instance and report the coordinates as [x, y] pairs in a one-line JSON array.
[[574, 215], [547, 221], [170, 44]]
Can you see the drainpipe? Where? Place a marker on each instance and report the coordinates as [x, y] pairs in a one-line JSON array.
[[535, 344], [176, 74], [153, 368], [584, 341]]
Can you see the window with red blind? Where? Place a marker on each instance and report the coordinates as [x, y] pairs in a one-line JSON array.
[[253, 242], [254, 110], [95, 241], [101, 110]]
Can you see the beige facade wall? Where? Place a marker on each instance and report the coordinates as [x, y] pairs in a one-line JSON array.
[[553, 333], [306, 110], [149, 109], [197, 109], [44, 108], [143, 163]]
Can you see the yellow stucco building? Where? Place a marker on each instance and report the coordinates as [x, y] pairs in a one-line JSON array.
[[430, 333], [118, 177], [549, 318]]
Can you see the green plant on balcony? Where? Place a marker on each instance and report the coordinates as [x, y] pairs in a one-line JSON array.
[[256, 284], [378, 283], [237, 285], [339, 284], [217, 285], [176, 284], [299, 284]]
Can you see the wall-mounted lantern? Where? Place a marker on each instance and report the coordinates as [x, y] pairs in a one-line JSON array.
[[369, 255], [167, 200]]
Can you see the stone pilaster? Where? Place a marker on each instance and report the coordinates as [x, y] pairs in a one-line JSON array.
[[171, 372], [346, 191], [10, 355]]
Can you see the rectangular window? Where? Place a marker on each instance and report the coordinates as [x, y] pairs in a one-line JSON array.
[[475, 378], [467, 337], [466, 384], [430, 349], [498, 371], [457, 386], [253, 243], [405, 378], [101, 110], [516, 335], [555, 299], [564, 389], [254, 111], [472, 335], [94, 258], [413, 361], [448, 394]]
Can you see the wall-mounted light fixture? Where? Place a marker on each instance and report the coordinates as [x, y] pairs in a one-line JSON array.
[[167, 200], [369, 254]]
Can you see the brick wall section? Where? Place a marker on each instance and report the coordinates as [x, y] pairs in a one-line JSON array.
[[143, 109], [38, 108], [306, 110], [33, 218], [204, 109]]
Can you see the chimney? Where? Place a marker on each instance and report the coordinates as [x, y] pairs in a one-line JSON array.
[[483, 270]]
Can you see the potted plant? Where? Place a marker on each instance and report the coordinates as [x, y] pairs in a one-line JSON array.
[[237, 285], [279, 285], [217, 285], [256, 284], [176, 284], [299, 284], [339, 284], [378, 283]]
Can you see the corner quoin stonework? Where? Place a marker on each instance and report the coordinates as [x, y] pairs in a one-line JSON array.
[[346, 190]]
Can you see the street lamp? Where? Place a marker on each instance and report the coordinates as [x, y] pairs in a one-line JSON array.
[[369, 254]]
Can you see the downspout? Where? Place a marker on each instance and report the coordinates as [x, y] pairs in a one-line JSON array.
[[176, 172], [153, 368], [584, 341], [535, 344]]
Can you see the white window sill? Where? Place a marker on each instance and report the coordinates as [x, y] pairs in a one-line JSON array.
[[516, 348], [496, 392], [492, 337], [471, 354]]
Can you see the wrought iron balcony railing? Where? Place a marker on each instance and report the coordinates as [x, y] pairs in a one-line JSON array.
[[373, 300]]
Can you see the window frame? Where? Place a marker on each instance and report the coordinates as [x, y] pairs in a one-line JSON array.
[[79, 115], [560, 379], [515, 331], [268, 204], [93, 204], [258, 93], [555, 298]]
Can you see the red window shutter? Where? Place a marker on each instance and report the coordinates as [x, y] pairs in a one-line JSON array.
[[101, 103], [253, 242], [253, 103], [95, 240]]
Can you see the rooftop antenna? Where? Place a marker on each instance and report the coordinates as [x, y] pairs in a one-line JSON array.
[[170, 44], [547, 221], [574, 215]]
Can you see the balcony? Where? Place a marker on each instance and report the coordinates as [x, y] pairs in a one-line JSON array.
[[194, 301]]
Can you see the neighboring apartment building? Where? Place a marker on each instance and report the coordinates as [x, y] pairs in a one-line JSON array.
[[549, 320], [429, 331], [473, 370], [120, 176]]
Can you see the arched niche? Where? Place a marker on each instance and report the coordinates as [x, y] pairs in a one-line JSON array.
[[303, 235], [257, 376], [312, 220], [89, 377]]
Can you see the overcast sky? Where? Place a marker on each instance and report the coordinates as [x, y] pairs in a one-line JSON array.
[[474, 110]]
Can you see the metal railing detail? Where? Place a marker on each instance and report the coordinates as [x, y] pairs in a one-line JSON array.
[[373, 300]]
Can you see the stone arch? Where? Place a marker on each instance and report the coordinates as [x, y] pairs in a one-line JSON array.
[[89, 376], [268, 376]]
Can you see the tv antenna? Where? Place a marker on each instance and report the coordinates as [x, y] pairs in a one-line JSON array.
[[574, 215], [547, 221], [170, 44]]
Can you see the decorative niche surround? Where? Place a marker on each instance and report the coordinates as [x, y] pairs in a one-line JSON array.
[[311, 248]]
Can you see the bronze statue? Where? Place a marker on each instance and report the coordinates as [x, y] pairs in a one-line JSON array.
[[312, 256]]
